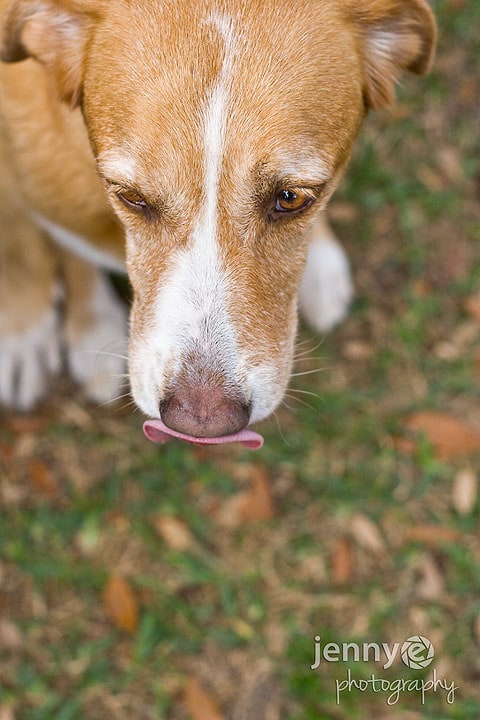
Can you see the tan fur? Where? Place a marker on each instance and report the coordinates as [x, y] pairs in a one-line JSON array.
[[132, 77]]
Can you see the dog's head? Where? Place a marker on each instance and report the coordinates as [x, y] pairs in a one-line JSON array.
[[221, 129]]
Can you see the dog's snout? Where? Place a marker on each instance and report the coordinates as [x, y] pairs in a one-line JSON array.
[[204, 412]]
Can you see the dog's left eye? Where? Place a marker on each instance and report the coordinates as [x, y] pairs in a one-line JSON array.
[[133, 199]]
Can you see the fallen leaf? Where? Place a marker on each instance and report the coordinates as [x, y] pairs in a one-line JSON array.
[[229, 513], [200, 704], [467, 92], [456, 5], [357, 350], [342, 561], [42, 478], [449, 437], [448, 160], [430, 585], [421, 288], [10, 636], [259, 505], [6, 713], [472, 306], [366, 533], [476, 628], [6, 453], [464, 491], [174, 532], [120, 603], [432, 534], [30, 423], [250, 505], [430, 178]]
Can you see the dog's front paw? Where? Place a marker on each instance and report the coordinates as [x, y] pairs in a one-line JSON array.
[[97, 345], [326, 290], [27, 360]]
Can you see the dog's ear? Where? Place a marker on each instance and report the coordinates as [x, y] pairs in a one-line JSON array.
[[395, 35], [53, 32]]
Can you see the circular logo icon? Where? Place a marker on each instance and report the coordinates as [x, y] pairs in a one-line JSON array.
[[417, 652]]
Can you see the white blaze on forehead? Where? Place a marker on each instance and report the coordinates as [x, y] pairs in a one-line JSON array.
[[191, 307], [214, 129]]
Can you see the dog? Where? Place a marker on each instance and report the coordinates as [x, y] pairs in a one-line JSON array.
[[194, 145]]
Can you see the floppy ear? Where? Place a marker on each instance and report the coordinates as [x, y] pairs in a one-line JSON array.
[[395, 35], [52, 32]]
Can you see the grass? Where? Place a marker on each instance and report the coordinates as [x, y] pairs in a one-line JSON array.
[[255, 594]]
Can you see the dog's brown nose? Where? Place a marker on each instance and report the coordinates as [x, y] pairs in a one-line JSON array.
[[204, 412]]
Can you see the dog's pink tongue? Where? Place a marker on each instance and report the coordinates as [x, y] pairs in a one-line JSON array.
[[158, 432]]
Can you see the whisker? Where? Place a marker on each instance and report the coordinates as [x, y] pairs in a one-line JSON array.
[[275, 415], [312, 372], [95, 352], [308, 351], [115, 399], [125, 376], [128, 405], [301, 402], [306, 392]]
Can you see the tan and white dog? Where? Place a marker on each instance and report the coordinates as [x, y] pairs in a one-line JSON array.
[[196, 144]]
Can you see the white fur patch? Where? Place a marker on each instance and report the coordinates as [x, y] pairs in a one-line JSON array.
[[308, 168], [326, 290], [266, 391], [118, 165], [27, 360], [383, 43]]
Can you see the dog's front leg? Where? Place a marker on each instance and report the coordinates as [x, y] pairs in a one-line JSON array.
[[326, 290], [29, 313], [95, 330]]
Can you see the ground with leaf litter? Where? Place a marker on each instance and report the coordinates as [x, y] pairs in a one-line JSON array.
[[188, 583]]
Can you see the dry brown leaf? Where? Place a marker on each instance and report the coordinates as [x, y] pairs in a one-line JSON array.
[[120, 603], [342, 561], [448, 160], [200, 704], [10, 636], [472, 306], [467, 91], [6, 453], [6, 713], [476, 628], [358, 350], [366, 533], [477, 363], [42, 478], [421, 288], [450, 437], [432, 534], [430, 585], [30, 423], [250, 505], [174, 532], [464, 491], [229, 514], [429, 177], [259, 504]]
